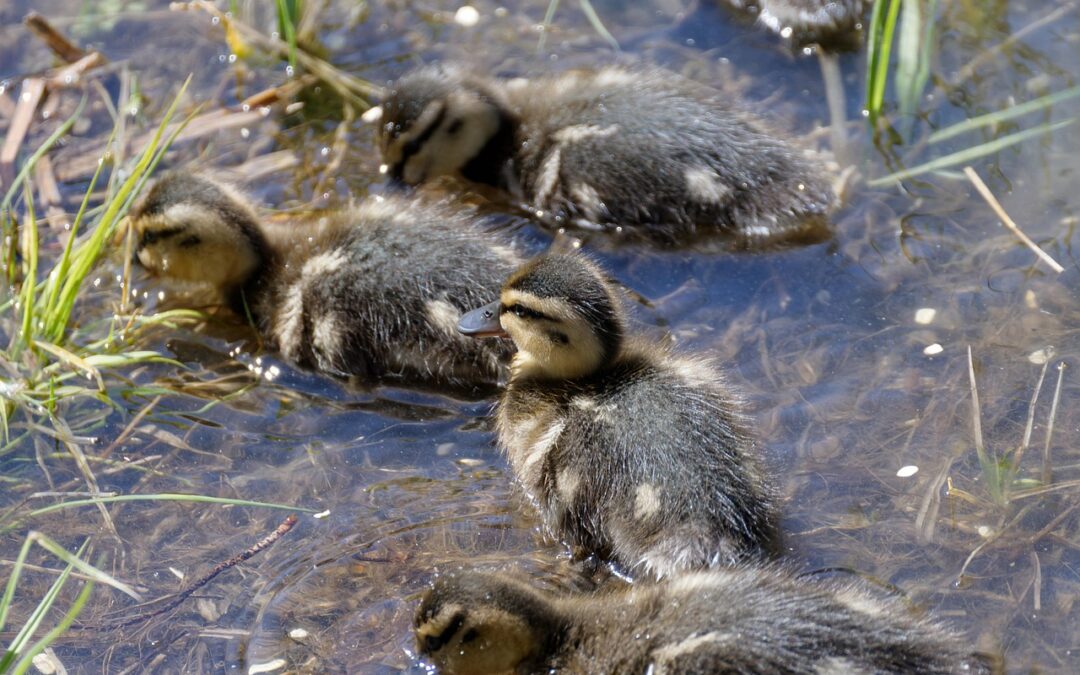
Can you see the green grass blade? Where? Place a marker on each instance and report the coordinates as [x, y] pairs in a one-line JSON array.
[[907, 57], [166, 497], [76, 608], [42, 149], [1004, 115], [287, 23], [879, 48], [545, 25], [83, 566], [970, 154], [60, 270], [89, 253], [38, 615], [13, 581], [598, 25], [26, 335]]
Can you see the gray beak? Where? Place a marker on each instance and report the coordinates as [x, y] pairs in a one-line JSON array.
[[483, 322]]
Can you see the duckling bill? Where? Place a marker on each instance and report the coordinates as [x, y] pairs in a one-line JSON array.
[[375, 291], [745, 620], [642, 151], [631, 453]]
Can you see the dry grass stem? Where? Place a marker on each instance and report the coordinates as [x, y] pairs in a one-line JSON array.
[[57, 41], [996, 206], [1047, 473]]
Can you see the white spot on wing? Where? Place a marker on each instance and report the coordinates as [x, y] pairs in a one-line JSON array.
[[588, 199], [327, 338], [540, 447], [444, 316], [579, 132], [612, 77], [663, 656], [705, 186], [548, 177], [323, 263], [567, 482], [646, 501], [289, 323]]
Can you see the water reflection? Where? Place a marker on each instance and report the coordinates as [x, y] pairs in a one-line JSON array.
[[850, 378]]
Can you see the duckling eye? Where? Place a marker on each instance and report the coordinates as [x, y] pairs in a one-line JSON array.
[[469, 636], [526, 312], [191, 241], [455, 126]]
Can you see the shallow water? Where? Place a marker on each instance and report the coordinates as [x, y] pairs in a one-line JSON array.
[[828, 341]]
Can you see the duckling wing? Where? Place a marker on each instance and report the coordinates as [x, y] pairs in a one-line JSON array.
[[649, 149]]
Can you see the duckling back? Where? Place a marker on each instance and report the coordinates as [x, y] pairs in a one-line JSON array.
[[648, 462], [652, 150], [644, 151], [379, 292], [630, 452], [741, 620], [374, 291]]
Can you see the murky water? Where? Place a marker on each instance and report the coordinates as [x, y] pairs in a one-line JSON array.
[[853, 352]]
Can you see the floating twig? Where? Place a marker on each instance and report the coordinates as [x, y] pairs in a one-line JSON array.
[[168, 602], [67, 50], [996, 206], [1046, 473], [30, 94]]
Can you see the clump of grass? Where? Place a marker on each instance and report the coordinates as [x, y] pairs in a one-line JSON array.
[[44, 351]]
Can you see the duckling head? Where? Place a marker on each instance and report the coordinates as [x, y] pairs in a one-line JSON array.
[[472, 622], [562, 314], [434, 121], [193, 229]]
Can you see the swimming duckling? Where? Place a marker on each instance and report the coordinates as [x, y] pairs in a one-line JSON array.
[[630, 452], [375, 290], [644, 150], [737, 620], [833, 24]]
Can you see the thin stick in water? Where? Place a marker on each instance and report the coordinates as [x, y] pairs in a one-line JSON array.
[[996, 206]]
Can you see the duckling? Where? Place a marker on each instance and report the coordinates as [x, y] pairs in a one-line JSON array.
[[375, 290], [737, 620], [630, 452], [645, 151], [832, 24]]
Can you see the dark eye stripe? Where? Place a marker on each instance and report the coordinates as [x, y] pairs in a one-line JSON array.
[[433, 642], [413, 146], [151, 236], [527, 312]]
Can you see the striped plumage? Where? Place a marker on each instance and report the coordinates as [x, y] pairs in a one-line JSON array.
[[645, 151], [630, 452], [738, 620], [375, 290]]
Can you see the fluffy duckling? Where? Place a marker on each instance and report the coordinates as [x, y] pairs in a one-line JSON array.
[[630, 452], [374, 291], [738, 620], [833, 24], [644, 150]]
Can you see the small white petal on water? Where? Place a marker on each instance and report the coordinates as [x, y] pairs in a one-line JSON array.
[[466, 16], [933, 349], [907, 471], [177, 573], [985, 531], [1041, 356], [925, 315], [322, 514], [298, 634], [372, 115], [268, 667]]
